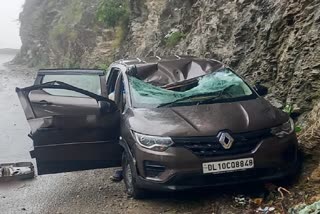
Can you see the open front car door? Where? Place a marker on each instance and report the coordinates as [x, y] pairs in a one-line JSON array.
[[71, 133]]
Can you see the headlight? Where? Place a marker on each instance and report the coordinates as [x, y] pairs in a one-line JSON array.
[[283, 130], [154, 143]]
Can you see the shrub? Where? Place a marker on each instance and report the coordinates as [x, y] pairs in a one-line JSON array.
[[113, 12], [289, 109], [174, 39]]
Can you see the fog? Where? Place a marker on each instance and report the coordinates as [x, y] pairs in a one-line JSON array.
[[9, 24]]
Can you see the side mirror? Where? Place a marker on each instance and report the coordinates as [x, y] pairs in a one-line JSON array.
[[261, 90], [107, 106]]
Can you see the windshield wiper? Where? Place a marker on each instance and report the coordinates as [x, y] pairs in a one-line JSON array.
[[186, 98]]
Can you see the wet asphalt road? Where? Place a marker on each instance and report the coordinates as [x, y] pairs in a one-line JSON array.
[[14, 144], [78, 192]]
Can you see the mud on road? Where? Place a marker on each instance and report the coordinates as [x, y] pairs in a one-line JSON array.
[[92, 191]]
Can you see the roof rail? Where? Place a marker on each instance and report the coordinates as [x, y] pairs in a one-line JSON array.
[[177, 56]]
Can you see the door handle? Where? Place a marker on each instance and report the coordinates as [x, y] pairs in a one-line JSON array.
[[43, 102]]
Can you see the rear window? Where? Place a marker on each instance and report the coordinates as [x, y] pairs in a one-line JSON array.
[[89, 83]]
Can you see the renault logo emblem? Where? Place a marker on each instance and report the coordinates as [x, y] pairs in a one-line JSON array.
[[225, 140]]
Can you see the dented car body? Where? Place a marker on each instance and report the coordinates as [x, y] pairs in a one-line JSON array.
[[172, 123]]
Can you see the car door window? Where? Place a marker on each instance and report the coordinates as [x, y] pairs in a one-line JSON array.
[[89, 83], [120, 95], [111, 83]]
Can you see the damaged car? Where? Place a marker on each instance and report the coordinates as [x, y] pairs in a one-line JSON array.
[[172, 123]]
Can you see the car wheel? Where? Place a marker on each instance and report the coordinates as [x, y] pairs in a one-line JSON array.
[[295, 175], [130, 179]]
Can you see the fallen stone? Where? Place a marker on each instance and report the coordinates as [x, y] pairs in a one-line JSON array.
[[315, 175], [12, 171], [315, 198]]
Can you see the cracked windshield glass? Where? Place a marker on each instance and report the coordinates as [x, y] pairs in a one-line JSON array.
[[213, 87]]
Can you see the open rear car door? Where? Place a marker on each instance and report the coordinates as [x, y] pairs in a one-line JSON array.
[[71, 133]]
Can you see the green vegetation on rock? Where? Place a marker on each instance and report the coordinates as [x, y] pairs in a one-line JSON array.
[[71, 15], [289, 110], [174, 39], [104, 66], [64, 33], [113, 12]]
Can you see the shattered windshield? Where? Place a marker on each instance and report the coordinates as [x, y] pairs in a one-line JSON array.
[[214, 87]]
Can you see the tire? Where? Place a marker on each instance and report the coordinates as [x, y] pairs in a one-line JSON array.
[[129, 178], [295, 175]]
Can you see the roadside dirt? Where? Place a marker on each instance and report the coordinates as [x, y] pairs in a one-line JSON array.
[[92, 192]]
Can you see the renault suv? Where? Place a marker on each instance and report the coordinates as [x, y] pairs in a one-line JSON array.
[[172, 123]]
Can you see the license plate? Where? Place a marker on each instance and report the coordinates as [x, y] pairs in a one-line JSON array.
[[228, 166]]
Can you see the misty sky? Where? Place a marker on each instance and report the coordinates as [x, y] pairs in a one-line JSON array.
[[9, 25]]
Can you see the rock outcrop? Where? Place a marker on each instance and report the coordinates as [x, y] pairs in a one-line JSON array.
[[63, 33], [273, 42]]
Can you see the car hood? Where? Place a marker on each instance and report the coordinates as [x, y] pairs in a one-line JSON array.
[[206, 120]]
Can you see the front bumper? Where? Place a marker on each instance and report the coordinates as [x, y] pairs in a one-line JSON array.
[[185, 181], [274, 159]]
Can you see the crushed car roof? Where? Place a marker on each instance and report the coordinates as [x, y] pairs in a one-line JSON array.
[[168, 70]]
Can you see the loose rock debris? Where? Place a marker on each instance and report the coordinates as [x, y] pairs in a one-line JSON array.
[[11, 171], [241, 200], [265, 210], [306, 209]]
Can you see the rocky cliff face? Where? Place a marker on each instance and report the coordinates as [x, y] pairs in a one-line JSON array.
[[273, 42], [269, 41], [63, 33]]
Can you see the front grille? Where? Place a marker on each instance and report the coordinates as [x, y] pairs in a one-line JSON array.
[[210, 146]]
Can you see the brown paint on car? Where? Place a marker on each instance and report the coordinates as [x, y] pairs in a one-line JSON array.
[[175, 139]]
